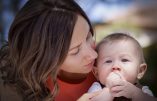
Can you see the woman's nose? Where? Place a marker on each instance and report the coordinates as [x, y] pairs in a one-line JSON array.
[[91, 54]]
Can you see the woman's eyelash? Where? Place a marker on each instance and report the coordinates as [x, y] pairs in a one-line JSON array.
[[76, 52]]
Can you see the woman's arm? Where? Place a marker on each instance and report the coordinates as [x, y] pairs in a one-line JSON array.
[[140, 96]]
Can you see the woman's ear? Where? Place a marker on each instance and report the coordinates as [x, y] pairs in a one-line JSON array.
[[142, 70], [95, 72]]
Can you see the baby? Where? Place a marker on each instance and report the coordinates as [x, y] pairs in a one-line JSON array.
[[119, 67]]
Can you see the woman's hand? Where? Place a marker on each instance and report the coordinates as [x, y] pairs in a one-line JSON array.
[[104, 95], [88, 96]]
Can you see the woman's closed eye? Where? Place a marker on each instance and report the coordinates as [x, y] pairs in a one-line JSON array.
[[75, 51]]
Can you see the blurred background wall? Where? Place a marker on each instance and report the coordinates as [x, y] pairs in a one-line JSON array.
[[137, 17]]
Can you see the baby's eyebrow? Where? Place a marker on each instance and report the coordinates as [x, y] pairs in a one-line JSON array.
[[104, 57], [123, 55]]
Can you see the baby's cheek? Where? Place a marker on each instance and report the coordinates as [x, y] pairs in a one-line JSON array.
[[102, 78], [131, 79]]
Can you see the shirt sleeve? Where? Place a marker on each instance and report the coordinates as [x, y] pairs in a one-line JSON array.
[[95, 87], [146, 90]]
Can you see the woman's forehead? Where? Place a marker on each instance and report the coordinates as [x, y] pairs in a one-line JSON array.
[[80, 32]]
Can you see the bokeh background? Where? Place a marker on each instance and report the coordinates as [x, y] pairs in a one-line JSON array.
[[137, 17]]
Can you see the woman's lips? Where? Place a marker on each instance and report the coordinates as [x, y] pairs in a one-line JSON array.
[[90, 65]]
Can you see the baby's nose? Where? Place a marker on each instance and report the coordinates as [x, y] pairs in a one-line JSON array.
[[116, 68]]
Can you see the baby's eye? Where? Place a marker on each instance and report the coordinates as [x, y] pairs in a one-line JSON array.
[[108, 61], [125, 60]]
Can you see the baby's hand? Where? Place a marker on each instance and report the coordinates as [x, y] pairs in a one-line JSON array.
[[113, 79], [120, 87], [125, 89]]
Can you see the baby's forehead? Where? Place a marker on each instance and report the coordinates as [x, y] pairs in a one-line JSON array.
[[120, 45], [107, 43]]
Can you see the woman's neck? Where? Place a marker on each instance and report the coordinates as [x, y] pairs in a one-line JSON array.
[[73, 78]]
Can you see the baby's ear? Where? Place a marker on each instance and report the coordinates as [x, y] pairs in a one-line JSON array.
[[95, 72], [142, 70]]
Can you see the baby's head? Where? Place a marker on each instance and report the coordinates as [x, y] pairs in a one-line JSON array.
[[121, 54]]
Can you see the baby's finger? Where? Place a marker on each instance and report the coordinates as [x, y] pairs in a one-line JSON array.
[[117, 83], [118, 93], [117, 89]]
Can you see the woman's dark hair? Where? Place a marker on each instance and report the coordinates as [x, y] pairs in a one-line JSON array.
[[38, 43]]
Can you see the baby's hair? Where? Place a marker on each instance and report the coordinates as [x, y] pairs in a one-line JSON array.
[[114, 37]]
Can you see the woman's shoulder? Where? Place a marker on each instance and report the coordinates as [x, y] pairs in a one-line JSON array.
[[8, 92]]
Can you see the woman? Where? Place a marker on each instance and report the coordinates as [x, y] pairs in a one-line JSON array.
[[49, 55]]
